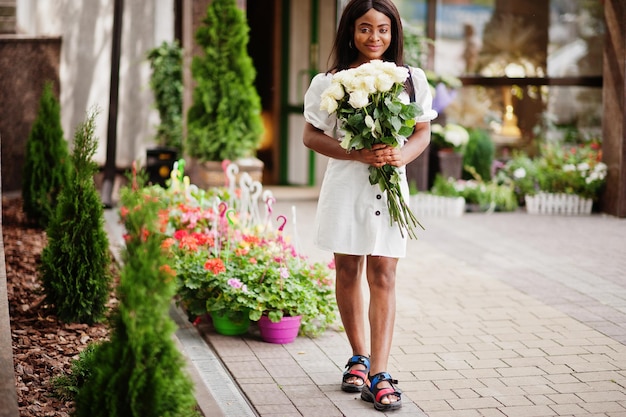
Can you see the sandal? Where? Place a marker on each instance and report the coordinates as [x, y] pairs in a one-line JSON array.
[[373, 394], [355, 373]]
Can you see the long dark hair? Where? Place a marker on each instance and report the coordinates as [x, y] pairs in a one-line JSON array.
[[344, 53]]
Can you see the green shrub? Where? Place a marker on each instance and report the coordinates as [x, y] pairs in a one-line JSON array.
[[75, 264], [479, 154], [166, 82], [46, 165], [67, 386], [139, 372], [224, 121]]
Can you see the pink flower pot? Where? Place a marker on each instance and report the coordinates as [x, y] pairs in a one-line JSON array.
[[285, 331]]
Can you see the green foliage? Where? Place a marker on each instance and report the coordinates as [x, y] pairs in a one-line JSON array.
[[224, 121], [67, 386], [415, 46], [75, 263], [47, 161], [574, 169], [258, 276], [479, 154], [139, 372], [166, 83], [486, 195], [444, 187], [521, 173]]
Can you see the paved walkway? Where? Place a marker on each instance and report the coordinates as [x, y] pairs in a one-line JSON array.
[[502, 314]]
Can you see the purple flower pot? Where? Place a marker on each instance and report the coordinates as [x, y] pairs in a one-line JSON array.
[[285, 331]]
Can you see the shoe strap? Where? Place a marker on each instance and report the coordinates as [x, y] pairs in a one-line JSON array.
[[380, 377], [359, 360]]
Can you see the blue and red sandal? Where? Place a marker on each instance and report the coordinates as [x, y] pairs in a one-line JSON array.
[[373, 394], [355, 373]]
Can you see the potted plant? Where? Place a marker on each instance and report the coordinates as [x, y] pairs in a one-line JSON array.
[[224, 121], [228, 266], [563, 179], [166, 82], [450, 141]]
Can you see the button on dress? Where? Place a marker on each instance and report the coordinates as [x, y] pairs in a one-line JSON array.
[[352, 216]]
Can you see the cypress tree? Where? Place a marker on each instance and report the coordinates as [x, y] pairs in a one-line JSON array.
[[139, 371], [224, 121], [46, 160], [75, 263]]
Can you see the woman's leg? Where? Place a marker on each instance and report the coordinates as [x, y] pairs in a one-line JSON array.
[[349, 269], [381, 277]]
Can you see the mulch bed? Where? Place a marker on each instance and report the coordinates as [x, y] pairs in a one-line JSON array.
[[43, 347]]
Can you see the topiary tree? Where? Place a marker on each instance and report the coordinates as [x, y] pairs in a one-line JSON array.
[[140, 372], [75, 264], [166, 82], [47, 160], [224, 121]]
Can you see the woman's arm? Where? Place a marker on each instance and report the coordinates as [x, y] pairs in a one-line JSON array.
[[314, 139], [416, 144]]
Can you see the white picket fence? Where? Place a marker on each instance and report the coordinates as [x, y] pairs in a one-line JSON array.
[[565, 204], [436, 206]]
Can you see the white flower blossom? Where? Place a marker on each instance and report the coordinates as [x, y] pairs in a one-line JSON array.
[[329, 104], [359, 99], [569, 168], [519, 173], [456, 135], [583, 166]]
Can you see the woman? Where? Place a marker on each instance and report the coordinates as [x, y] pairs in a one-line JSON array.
[[352, 219]]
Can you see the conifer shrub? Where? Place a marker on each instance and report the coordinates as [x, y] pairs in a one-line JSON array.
[[479, 154], [75, 264], [46, 161], [139, 371], [166, 82], [224, 121]]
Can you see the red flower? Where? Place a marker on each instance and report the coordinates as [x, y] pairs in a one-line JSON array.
[[215, 265]]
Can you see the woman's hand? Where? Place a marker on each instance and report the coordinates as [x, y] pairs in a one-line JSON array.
[[380, 155]]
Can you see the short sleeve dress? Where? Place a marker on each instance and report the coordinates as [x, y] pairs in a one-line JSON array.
[[352, 216]]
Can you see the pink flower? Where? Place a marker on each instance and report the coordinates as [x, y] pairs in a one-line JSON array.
[[235, 283], [284, 272]]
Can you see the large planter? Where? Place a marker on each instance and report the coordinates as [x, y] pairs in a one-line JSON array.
[[285, 331], [450, 164], [565, 204], [231, 325], [211, 173]]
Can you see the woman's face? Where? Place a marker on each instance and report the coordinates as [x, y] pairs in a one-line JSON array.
[[372, 36]]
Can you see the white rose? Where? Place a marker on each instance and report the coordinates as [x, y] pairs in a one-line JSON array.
[[328, 103], [384, 82], [335, 90], [358, 99], [365, 82]]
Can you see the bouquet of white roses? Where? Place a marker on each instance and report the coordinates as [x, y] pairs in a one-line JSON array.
[[366, 102]]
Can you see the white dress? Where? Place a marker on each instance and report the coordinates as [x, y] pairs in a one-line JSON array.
[[352, 216]]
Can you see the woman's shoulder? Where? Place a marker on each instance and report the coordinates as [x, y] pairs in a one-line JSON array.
[[320, 81]]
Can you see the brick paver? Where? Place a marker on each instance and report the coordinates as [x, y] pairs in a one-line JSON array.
[[504, 315]]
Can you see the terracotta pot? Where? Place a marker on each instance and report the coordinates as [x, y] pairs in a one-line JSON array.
[[211, 173], [450, 163]]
